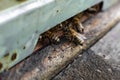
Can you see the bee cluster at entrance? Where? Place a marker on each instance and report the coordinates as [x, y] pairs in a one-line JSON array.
[[72, 29]]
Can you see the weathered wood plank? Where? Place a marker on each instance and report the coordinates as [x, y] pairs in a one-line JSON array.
[[109, 47], [46, 63]]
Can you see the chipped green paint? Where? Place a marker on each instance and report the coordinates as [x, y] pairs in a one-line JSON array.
[[21, 24]]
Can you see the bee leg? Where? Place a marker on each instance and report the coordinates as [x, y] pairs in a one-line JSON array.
[[80, 28]]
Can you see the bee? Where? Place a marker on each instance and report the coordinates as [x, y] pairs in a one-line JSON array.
[[76, 23], [94, 10], [78, 26], [73, 30], [75, 37], [52, 37]]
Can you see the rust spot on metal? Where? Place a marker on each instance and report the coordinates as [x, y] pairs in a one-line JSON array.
[[14, 56], [1, 65]]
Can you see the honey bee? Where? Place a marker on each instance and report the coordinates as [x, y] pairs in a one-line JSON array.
[[78, 38], [94, 10], [73, 30], [74, 36], [52, 37], [77, 25]]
